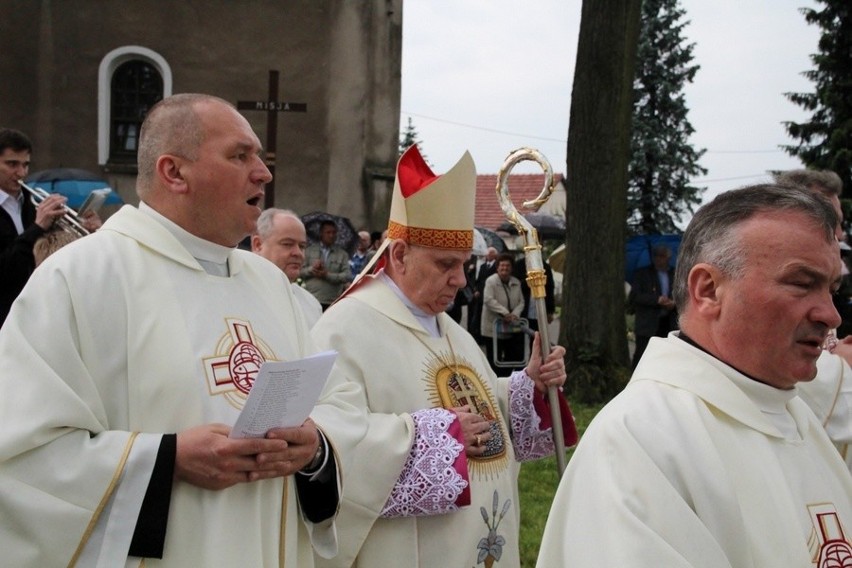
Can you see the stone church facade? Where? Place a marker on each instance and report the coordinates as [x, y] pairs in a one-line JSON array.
[[79, 75]]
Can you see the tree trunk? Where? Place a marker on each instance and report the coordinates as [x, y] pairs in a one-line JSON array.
[[593, 317]]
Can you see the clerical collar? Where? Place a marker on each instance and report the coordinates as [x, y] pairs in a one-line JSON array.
[[771, 401], [212, 257], [428, 321]]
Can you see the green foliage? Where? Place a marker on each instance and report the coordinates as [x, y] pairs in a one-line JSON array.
[[825, 141], [591, 378], [662, 160], [537, 484], [409, 137]]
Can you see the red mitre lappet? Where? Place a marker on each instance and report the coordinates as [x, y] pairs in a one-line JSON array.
[[428, 210]]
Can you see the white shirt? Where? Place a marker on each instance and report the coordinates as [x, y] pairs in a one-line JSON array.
[[13, 207]]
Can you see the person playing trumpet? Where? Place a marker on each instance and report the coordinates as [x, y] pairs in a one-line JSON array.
[[22, 223]]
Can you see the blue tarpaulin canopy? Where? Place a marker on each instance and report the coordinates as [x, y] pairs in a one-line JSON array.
[[75, 184], [638, 254]]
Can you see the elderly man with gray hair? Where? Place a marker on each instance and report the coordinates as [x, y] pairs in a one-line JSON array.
[[709, 458], [281, 239]]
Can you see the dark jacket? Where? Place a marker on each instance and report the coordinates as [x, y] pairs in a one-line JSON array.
[[644, 295], [16, 255]]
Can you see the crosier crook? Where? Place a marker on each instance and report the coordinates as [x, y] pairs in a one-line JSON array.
[[536, 277]]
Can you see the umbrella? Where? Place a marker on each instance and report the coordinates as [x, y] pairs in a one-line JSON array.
[[492, 239], [73, 183], [347, 236], [480, 247], [548, 226]]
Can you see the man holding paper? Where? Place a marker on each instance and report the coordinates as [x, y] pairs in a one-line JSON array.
[[434, 481], [159, 325]]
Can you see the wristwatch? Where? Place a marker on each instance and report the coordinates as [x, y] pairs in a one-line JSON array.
[[319, 459]]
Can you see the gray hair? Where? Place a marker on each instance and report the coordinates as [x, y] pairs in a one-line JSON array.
[[267, 219], [712, 236], [172, 126], [825, 181]]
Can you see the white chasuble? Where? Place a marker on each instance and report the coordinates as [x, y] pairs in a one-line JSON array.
[[688, 468], [403, 370], [138, 338]]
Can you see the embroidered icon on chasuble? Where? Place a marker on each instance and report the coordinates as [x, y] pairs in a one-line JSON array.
[[231, 372], [828, 543], [452, 382]]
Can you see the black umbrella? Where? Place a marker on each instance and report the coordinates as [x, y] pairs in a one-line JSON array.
[[492, 239], [548, 226], [73, 183], [347, 236]]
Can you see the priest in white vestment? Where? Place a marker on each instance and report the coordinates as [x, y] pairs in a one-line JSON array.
[[434, 481], [709, 458], [128, 357], [830, 393]]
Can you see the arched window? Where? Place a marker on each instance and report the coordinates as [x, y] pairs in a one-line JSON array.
[[131, 80], [136, 87]]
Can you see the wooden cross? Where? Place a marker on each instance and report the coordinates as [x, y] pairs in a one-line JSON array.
[[272, 106]]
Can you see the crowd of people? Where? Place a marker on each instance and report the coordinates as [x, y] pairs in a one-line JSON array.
[[127, 355]]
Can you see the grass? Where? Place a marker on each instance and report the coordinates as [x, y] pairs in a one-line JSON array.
[[537, 484]]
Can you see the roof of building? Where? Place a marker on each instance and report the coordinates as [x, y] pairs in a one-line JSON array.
[[522, 187]]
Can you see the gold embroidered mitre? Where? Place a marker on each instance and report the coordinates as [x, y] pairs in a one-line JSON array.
[[429, 210]]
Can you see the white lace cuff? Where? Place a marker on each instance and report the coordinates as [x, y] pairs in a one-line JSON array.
[[434, 478], [528, 440]]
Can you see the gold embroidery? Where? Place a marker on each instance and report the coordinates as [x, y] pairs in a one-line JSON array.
[[112, 485], [452, 382], [283, 530], [435, 238]]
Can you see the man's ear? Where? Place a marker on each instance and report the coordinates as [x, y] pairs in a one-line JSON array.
[[169, 170], [704, 284], [255, 242], [396, 256]]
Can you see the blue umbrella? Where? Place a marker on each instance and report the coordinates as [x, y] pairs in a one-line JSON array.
[[75, 184], [638, 253]]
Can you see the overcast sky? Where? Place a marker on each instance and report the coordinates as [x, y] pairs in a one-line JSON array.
[[493, 75]]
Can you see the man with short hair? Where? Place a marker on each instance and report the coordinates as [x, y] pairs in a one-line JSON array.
[[830, 393], [21, 222], [326, 267], [434, 482], [116, 447], [362, 254], [485, 268], [280, 238], [708, 457], [651, 296]]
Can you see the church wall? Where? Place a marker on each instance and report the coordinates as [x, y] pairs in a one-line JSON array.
[[341, 57]]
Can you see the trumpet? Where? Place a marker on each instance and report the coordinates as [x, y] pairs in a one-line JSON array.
[[70, 221]]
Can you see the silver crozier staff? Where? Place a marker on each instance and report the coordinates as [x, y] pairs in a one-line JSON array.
[[536, 277]]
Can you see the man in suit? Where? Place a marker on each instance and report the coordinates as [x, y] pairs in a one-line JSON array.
[[651, 296], [486, 269], [21, 222]]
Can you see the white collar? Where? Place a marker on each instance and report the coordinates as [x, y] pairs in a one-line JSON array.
[[428, 321], [212, 257]]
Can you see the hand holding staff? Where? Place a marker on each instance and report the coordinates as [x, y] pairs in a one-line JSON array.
[[536, 277]]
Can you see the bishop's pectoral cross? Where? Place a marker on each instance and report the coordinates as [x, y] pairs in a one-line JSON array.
[[272, 107]]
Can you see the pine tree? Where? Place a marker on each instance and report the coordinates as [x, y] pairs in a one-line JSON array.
[[825, 141], [409, 137], [662, 159]]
